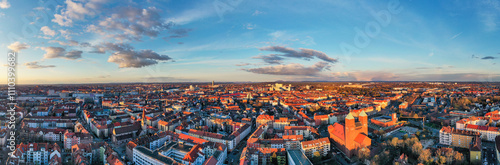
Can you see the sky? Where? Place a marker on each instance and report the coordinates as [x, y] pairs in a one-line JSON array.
[[116, 41]]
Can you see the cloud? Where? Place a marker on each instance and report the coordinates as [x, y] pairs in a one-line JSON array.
[[456, 35], [65, 33], [35, 65], [17, 46], [167, 79], [85, 44], [257, 12], [304, 53], [365, 76], [179, 33], [4, 4], [67, 43], [292, 69], [107, 46], [47, 31], [130, 23], [250, 26], [59, 52], [77, 11], [243, 64], [488, 14], [126, 57], [104, 76], [74, 54], [488, 58], [270, 59]]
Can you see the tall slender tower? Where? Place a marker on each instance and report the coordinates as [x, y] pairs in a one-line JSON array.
[[143, 121], [350, 131], [363, 118]]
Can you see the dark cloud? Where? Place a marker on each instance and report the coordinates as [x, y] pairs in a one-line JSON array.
[[107, 46], [179, 33], [292, 69], [137, 59], [126, 57], [59, 52], [75, 54], [270, 59], [488, 58], [85, 44], [35, 65], [306, 54]]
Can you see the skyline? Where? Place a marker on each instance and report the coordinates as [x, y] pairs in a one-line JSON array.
[[105, 41]]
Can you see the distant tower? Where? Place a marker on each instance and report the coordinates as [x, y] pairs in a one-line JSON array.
[[213, 82], [143, 121]]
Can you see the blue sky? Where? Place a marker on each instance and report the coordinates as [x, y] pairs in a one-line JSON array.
[[94, 41]]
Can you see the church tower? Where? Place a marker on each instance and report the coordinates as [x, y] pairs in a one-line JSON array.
[[143, 121], [363, 119], [350, 131]]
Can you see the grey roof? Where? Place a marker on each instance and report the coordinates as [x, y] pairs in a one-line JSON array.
[[298, 157]]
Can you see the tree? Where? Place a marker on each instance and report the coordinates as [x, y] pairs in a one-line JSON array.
[[449, 155], [363, 154], [442, 160], [316, 157], [458, 157], [405, 136], [425, 156], [394, 142], [416, 149]]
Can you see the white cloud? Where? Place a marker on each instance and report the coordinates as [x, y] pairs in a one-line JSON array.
[[17, 46], [257, 12], [4, 4], [131, 23], [77, 10], [48, 32]]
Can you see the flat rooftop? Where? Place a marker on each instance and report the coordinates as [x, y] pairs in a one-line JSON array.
[[298, 157]]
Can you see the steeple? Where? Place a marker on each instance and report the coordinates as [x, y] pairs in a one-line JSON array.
[[143, 120]]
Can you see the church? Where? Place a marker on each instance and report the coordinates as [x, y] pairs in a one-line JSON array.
[[351, 136]]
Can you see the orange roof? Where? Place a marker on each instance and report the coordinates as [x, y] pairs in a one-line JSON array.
[[337, 130], [315, 143], [194, 139], [360, 138]]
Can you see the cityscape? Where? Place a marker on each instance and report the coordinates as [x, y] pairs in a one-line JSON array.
[[236, 82]]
